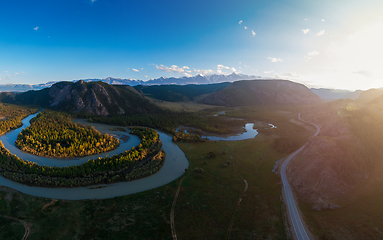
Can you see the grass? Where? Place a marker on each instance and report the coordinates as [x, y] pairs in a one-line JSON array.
[[203, 209]]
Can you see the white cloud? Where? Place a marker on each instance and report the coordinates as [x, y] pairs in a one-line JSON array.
[[252, 32], [173, 69], [322, 20], [220, 67], [204, 72], [287, 76], [274, 60], [36, 28], [306, 19], [146, 76], [305, 31], [5, 71], [15, 74], [240, 22], [321, 33], [93, 1], [245, 27], [313, 53], [267, 72], [136, 70], [188, 75]]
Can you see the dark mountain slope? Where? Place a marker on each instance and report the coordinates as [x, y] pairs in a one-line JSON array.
[[333, 94], [262, 92], [179, 93], [96, 98]]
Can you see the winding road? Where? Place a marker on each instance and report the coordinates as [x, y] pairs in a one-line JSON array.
[[297, 223]]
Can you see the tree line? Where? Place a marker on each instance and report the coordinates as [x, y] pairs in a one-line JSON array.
[[12, 116]]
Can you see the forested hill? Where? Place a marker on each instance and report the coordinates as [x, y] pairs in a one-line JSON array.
[[262, 92], [95, 98], [180, 93]]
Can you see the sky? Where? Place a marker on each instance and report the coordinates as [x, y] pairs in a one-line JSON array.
[[327, 43]]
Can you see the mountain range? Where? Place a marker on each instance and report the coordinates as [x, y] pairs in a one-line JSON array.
[[198, 79]]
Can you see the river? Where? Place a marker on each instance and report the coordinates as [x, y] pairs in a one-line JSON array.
[[174, 166]]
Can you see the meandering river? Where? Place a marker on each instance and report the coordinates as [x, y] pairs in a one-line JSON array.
[[174, 166]]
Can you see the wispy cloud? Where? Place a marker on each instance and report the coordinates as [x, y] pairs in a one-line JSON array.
[[253, 33], [306, 19], [274, 60], [305, 31], [92, 1], [365, 73], [36, 28], [321, 33], [5, 71], [313, 53], [136, 70], [245, 27], [322, 20], [287, 76], [240, 22]]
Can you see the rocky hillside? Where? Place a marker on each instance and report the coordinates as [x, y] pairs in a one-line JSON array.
[[261, 92], [96, 98]]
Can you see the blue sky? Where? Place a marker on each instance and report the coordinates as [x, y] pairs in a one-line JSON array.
[[318, 43]]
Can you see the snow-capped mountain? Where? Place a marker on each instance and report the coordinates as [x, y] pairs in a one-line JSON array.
[[198, 79]]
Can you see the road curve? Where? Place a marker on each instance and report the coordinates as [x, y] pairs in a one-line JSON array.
[[27, 229], [297, 222]]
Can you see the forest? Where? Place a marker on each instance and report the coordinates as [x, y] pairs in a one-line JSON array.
[[187, 137], [12, 115], [141, 161], [53, 134]]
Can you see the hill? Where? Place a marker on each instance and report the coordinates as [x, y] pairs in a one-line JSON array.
[[95, 98], [180, 93], [333, 94], [261, 92]]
